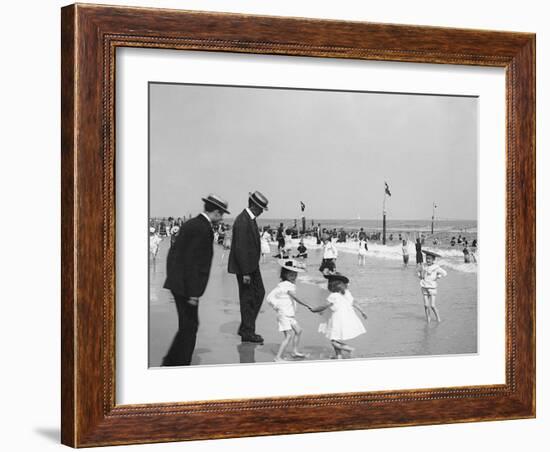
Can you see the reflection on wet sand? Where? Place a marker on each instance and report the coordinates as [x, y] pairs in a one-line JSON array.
[[247, 352]]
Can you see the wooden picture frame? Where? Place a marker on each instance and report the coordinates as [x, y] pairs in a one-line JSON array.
[[90, 35]]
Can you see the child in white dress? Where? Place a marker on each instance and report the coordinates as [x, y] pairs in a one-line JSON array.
[[429, 273], [283, 300], [288, 242], [264, 240], [154, 242], [343, 323], [362, 256]]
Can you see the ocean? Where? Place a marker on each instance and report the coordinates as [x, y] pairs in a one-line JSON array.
[[393, 225]]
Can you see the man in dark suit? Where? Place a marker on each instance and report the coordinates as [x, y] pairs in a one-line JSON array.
[[244, 262], [187, 272]]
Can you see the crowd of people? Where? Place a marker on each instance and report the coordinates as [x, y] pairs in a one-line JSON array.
[[190, 255], [284, 235]]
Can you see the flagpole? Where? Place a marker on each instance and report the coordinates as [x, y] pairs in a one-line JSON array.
[[303, 208], [433, 216], [384, 218]]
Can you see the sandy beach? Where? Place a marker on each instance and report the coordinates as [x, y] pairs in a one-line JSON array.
[[388, 291]]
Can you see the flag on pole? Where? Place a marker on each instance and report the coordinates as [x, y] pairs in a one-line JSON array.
[[302, 206], [387, 189]]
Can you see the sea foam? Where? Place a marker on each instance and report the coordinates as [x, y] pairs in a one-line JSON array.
[[450, 258]]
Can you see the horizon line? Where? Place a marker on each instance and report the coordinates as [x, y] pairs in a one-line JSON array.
[[333, 219]]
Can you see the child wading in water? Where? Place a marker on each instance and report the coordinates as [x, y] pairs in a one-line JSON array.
[[330, 253], [362, 255], [283, 300], [429, 273], [343, 323], [154, 242], [302, 250]]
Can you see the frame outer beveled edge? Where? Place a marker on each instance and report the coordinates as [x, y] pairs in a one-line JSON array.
[[72, 408]]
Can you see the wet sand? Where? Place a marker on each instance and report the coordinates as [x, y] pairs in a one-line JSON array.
[[387, 291]]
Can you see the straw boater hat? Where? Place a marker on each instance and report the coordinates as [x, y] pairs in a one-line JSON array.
[[337, 277], [259, 199], [292, 265], [217, 201], [431, 253]]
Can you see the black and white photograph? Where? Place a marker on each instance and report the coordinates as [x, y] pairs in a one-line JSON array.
[[288, 225]]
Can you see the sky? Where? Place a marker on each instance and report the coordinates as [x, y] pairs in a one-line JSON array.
[[333, 150]]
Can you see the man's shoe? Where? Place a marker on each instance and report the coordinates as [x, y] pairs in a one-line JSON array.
[[255, 339]]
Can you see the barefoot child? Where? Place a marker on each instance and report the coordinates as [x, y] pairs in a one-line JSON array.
[[405, 251], [154, 242], [283, 300], [343, 324], [302, 251], [362, 255], [330, 253], [264, 244], [429, 273]]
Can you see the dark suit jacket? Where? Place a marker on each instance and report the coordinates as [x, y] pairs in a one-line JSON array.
[[189, 259], [244, 257]]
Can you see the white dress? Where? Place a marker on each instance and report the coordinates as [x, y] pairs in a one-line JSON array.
[[265, 243], [288, 242], [154, 242], [344, 323], [330, 251], [362, 248]]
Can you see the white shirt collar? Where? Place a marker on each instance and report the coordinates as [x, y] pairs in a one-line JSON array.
[[250, 214], [207, 217]]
